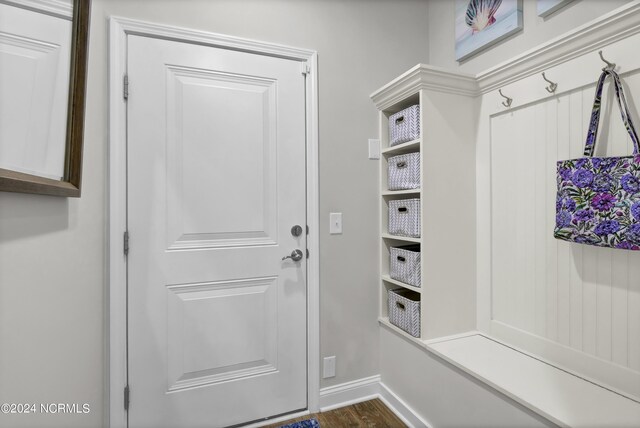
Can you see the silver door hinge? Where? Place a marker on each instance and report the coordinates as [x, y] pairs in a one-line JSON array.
[[307, 229], [305, 68], [126, 243], [307, 253], [125, 87], [126, 397]]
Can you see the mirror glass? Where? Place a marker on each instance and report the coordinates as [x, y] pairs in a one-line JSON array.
[[42, 74]]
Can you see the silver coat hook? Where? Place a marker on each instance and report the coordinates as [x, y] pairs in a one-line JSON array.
[[610, 65], [507, 102], [552, 86]]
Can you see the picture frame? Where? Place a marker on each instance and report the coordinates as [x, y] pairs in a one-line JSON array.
[[547, 7], [480, 24], [69, 185]]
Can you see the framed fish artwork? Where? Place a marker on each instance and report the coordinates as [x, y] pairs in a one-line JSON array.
[[547, 7], [482, 23]]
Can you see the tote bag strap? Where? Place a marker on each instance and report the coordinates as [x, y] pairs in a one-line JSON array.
[[595, 114]]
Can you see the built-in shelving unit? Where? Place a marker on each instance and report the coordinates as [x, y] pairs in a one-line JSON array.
[[444, 98], [388, 240]]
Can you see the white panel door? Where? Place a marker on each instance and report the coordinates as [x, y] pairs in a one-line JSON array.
[[216, 180]]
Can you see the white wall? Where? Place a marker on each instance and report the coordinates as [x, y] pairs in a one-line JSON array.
[[536, 31], [52, 250]]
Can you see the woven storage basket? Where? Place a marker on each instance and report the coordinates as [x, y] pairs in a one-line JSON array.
[[404, 264], [404, 126], [404, 172], [404, 310], [404, 217]]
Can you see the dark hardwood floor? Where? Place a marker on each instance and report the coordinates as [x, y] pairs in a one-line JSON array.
[[367, 414]]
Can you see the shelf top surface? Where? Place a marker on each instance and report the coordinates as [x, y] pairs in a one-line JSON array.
[[559, 396], [400, 238], [410, 146], [390, 280], [400, 192]]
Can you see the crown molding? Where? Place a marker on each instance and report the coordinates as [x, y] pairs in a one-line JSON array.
[[605, 30], [428, 77]]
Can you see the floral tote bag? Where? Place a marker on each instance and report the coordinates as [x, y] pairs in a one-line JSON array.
[[598, 199]]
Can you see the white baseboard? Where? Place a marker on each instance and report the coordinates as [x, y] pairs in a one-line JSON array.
[[360, 390], [401, 409], [349, 393]]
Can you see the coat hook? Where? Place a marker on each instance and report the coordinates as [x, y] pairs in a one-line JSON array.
[[552, 86], [610, 65], [508, 101]]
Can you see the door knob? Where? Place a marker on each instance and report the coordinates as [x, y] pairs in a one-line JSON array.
[[296, 256], [296, 230]]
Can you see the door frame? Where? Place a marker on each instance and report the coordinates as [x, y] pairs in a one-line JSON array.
[[119, 29]]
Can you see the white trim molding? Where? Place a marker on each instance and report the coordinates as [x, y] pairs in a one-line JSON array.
[[424, 76], [345, 394], [357, 391], [401, 408], [119, 29]]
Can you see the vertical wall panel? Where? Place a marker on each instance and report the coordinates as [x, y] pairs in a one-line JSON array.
[[590, 263], [549, 310], [614, 142], [540, 221], [518, 233], [589, 301], [578, 135], [632, 290], [503, 220], [619, 298], [528, 167], [603, 309], [584, 297]]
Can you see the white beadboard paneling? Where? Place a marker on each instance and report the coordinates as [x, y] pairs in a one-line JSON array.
[[528, 168], [589, 302], [582, 297], [551, 144], [503, 256], [603, 309], [619, 299], [540, 221]]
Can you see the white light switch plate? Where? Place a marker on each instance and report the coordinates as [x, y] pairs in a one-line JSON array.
[[374, 148], [329, 367], [335, 223]]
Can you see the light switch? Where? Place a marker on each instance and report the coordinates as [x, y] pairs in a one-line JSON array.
[[329, 367], [374, 149], [335, 223]]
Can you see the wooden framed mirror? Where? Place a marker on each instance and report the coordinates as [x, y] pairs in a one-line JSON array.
[[42, 107]]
